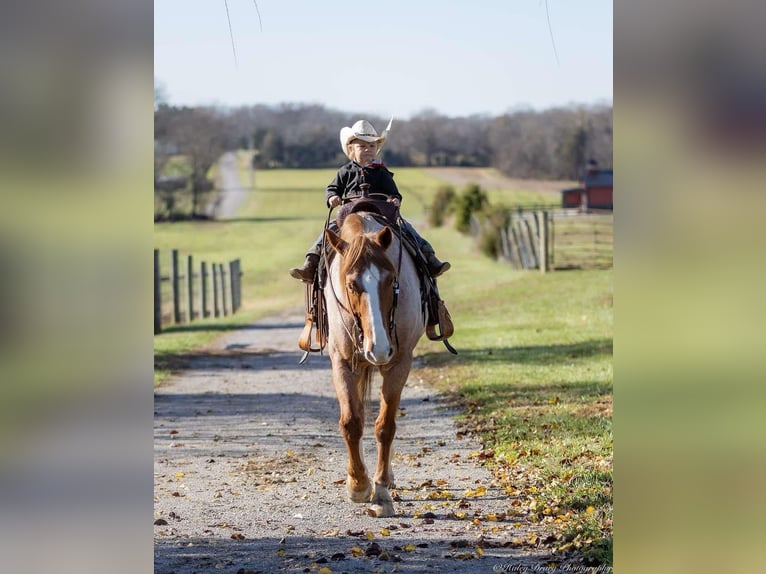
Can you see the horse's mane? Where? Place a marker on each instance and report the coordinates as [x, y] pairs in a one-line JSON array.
[[361, 246]]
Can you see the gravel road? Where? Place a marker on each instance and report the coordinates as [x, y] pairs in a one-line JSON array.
[[249, 472], [232, 193]]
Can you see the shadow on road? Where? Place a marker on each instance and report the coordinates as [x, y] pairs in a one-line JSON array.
[[340, 553]]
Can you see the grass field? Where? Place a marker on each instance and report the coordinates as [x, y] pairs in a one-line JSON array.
[[534, 373]]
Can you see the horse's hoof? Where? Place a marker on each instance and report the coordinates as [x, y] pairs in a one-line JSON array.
[[382, 510], [358, 494], [382, 503]]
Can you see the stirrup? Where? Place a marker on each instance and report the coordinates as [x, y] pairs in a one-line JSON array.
[[316, 321], [445, 326]]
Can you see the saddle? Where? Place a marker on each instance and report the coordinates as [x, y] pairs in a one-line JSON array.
[[439, 325]]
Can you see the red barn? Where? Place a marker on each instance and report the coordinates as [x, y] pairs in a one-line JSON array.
[[595, 193]]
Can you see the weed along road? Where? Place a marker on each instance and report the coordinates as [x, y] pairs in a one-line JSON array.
[[249, 474]]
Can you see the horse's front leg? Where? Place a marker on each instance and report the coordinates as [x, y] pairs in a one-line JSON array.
[[351, 425], [385, 429]]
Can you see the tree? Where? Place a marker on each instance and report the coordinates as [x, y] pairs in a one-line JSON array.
[[200, 136]]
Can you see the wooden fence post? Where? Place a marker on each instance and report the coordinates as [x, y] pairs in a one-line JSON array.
[[529, 239], [175, 280], [542, 228], [223, 274], [157, 294], [204, 311], [234, 281], [216, 308], [190, 287]]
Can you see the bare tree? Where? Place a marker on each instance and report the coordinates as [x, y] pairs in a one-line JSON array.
[[199, 134]]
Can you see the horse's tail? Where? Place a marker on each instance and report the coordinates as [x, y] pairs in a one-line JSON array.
[[365, 388]]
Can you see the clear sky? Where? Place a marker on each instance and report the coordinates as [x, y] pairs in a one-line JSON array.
[[393, 57]]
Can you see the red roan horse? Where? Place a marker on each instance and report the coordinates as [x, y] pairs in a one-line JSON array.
[[375, 319]]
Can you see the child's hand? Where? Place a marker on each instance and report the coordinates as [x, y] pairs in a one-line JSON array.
[[394, 200], [335, 201]]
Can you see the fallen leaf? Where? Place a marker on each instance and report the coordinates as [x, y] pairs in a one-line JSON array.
[[160, 522], [237, 536], [356, 551], [324, 570], [385, 532], [481, 490], [373, 549]]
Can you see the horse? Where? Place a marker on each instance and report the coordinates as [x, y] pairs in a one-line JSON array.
[[375, 318]]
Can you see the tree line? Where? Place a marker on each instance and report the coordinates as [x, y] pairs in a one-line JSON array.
[[549, 144]]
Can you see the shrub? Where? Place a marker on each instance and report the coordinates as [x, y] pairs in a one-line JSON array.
[[442, 205], [489, 242], [472, 200], [495, 220]]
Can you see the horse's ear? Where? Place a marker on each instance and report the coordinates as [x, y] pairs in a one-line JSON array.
[[384, 237], [335, 241]]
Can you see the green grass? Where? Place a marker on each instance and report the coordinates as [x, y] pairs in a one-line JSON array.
[[534, 370], [534, 377]]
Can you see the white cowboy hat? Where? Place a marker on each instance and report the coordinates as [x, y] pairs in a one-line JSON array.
[[363, 130]]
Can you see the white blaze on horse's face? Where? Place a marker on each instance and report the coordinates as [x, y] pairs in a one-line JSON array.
[[377, 345], [368, 275]]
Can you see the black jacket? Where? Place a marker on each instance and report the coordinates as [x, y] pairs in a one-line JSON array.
[[347, 181]]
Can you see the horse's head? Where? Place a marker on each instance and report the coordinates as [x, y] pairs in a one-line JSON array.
[[368, 278]]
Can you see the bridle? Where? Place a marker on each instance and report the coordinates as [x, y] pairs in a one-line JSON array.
[[356, 333]]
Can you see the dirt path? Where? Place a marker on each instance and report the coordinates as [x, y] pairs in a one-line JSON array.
[[249, 472], [232, 193]]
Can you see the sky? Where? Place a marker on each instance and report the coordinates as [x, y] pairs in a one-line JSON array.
[[389, 58]]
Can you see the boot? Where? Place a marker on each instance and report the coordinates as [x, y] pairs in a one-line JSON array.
[[307, 271], [436, 267]]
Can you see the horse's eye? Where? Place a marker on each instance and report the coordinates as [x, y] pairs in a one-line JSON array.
[[351, 287]]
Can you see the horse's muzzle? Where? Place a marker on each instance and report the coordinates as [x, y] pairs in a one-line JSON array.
[[379, 357]]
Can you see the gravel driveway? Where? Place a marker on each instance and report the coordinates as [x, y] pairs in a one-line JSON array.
[[250, 467], [232, 193]]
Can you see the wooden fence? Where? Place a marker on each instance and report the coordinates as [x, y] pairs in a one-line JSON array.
[[213, 291], [555, 239], [582, 240]]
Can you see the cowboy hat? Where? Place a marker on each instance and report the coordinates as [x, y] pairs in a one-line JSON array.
[[363, 130]]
